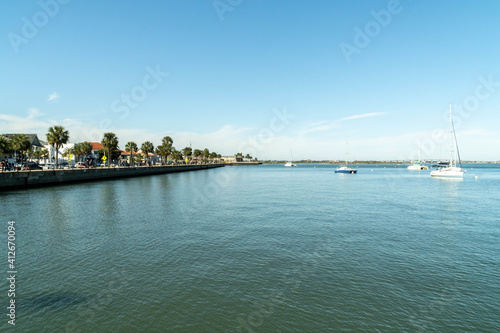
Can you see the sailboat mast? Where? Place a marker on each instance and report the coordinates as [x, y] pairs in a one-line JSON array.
[[451, 140], [346, 151], [419, 153]]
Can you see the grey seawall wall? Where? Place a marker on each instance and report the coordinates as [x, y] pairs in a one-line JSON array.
[[28, 179]]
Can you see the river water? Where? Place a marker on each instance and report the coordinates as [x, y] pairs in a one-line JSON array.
[[258, 249]]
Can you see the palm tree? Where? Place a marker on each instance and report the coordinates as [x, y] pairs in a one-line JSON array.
[[187, 152], [82, 149], [109, 143], [21, 144], [75, 150], [65, 153], [146, 148], [138, 158], [86, 148], [213, 156], [36, 155], [44, 153], [131, 147], [176, 155], [5, 145], [248, 157], [163, 150], [197, 153], [57, 137], [205, 154], [167, 141]]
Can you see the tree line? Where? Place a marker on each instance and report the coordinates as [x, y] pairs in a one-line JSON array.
[[57, 136]]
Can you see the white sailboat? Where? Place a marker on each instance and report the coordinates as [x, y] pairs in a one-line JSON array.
[[418, 165], [450, 169], [290, 163], [346, 168]]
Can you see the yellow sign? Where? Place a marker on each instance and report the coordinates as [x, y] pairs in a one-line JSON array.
[[186, 160], [104, 158], [70, 157]]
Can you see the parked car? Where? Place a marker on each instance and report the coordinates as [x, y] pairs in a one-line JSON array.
[[81, 165], [49, 166], [32, 166]]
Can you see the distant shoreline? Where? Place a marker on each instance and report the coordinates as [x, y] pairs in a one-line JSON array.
[[373, 162]]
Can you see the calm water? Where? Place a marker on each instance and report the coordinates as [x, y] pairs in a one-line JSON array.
[[259, 249]]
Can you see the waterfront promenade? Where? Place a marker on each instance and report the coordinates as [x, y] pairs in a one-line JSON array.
[[29, 179]]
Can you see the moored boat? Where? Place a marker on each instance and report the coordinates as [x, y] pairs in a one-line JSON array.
[[346, 168], [450, 169]]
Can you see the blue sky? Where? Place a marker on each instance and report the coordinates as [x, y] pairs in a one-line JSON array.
[[273, 78]]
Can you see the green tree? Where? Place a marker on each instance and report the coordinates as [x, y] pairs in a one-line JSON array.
[[57, 137], [197, 153], [187, 152], [37, 155], [176, 155], [110, 143], [85, 148], [44, 153], [75, 150], [131, 147], [248, 157], [146, 148], [205, 154], [5, 145], [167, 141], [138, 158], [163, 150], [213, 156], [21, 144]]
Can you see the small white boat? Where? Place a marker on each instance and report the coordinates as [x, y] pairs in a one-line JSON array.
[[418, 166], [290, 164], [345, 169], [450, 169]]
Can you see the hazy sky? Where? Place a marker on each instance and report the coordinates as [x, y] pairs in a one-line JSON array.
[[275, 79]]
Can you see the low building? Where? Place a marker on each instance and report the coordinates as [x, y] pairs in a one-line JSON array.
[[231, 159], [51, 158]]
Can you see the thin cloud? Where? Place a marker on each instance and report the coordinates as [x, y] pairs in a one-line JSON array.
[[364, 115], [53, 97], [331, 124], [33, 113]]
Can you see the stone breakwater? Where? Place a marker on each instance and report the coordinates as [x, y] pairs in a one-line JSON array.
[[28, 179]]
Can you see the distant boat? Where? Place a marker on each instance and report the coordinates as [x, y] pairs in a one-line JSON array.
[[290, 164], [346, 168], [450, 169], [418, 165]]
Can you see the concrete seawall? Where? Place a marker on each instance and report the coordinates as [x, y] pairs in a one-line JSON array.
[[28, 179]]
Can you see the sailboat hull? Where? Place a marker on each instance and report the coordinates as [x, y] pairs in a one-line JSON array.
[[418, 167], [450, 172], [346, 171]]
